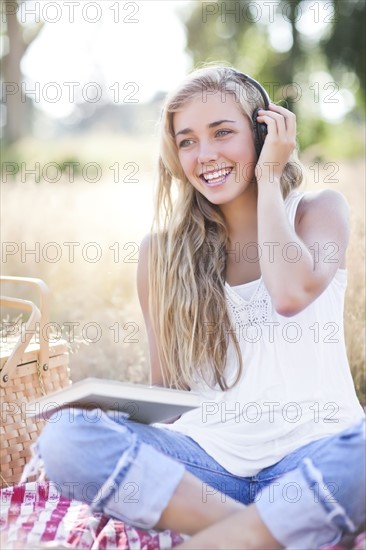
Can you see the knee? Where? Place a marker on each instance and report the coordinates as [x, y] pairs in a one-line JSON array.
[[82, 445], [59, 443]]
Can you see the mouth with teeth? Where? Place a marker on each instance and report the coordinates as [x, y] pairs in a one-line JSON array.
[[216, 177]]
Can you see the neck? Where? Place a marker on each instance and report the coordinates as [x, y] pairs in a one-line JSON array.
[[241, 214]]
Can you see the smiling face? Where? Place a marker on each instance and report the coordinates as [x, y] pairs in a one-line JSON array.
[[216, 147]]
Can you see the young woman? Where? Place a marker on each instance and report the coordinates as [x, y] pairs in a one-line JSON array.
[[242, 284]]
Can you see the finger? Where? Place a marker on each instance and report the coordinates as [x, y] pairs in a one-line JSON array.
[[271, 124], [290, 117], [279, 109], [280, 123], [286, 131]]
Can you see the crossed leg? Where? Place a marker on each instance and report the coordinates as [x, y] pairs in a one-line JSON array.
[[219, 524]]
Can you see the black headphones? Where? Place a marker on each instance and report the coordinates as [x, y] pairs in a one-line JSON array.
[[259, 128]]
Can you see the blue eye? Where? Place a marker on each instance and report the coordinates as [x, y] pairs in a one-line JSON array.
[[222, 133], [185, 143]]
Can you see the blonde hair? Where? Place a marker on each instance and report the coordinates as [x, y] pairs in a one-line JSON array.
[[187, 251]]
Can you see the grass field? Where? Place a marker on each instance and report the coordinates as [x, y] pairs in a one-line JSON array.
[[85, 238]]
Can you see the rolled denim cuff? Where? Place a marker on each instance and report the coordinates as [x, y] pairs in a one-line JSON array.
[[141, 486], [301, 512]]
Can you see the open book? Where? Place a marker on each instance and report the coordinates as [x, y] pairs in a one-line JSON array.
[[145, 404]]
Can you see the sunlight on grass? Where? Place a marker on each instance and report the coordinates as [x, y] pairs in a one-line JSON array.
[[93, 233]]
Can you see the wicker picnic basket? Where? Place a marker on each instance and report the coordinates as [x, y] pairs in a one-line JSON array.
[[31, 366]]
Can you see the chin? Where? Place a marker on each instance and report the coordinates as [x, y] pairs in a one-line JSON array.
[[220, 201]]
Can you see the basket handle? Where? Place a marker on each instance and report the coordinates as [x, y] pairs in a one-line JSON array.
[[40, 314]]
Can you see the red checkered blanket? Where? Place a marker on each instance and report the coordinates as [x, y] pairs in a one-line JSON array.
[[34, 514]]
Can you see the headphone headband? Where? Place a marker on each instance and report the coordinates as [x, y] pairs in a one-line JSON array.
[[246, 78], [259, 129]]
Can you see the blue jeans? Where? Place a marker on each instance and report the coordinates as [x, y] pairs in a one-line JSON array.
[[130, 471]]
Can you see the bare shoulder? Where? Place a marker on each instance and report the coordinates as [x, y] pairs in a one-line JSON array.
[[144, 247], [142, 271], [322, 221], [143, 294], [327, 202]]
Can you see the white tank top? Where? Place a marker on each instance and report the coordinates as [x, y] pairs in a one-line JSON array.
[[296, 385]]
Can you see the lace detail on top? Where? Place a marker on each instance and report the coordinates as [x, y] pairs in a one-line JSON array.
[[244, 313], [257, 310]]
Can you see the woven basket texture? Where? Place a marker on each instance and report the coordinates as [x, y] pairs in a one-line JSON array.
[[28, 382]]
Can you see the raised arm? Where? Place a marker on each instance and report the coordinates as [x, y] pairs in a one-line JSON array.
[[296, 266], [156, 376], [318, 245]]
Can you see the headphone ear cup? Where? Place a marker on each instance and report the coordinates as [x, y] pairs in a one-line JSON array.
[[260, 131]]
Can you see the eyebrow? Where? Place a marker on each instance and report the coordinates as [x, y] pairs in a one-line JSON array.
[[211, 125]]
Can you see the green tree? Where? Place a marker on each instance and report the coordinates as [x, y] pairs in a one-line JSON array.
[[238, 32], [11, 75], [345, 47]]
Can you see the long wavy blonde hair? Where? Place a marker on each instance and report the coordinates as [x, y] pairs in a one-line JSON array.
[[187, 250]]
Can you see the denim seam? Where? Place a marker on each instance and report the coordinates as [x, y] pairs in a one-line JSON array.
[[115, 479], [208, 469], [314, 453], [336, 513], [218, 470]]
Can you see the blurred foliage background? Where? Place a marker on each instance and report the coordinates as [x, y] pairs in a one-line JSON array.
[[96, 164]]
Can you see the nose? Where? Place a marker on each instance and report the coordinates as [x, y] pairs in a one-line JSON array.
[[207, 152]]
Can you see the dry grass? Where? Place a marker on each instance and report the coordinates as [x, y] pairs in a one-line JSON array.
[[104, 292], [350, 180]]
